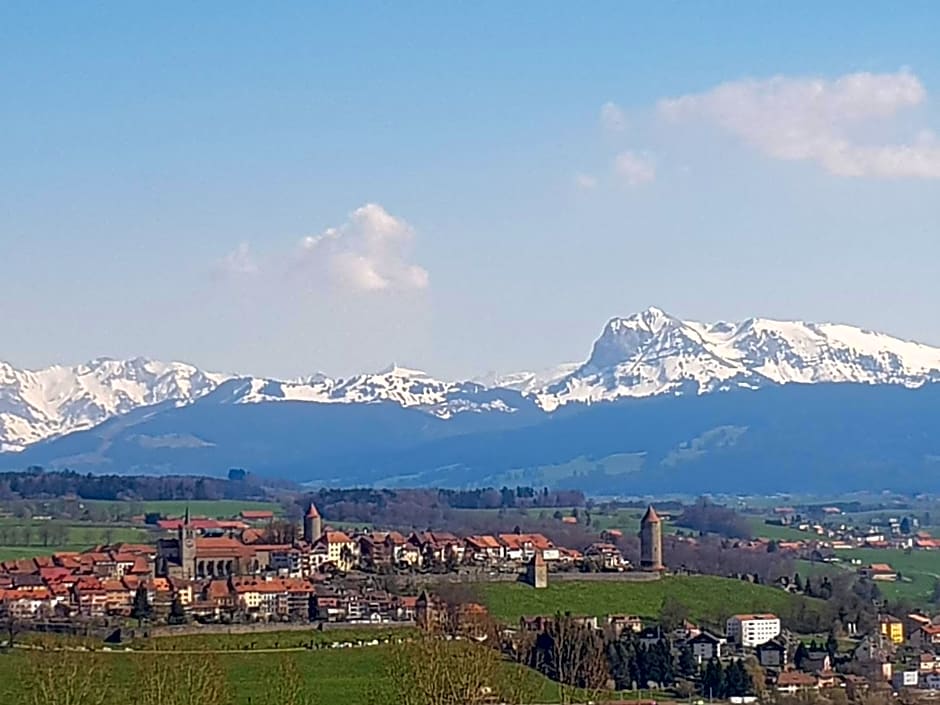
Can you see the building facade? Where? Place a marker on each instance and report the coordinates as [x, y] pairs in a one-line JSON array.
[[753, 629]]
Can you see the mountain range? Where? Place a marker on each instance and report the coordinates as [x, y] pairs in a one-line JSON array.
[[401, 425]]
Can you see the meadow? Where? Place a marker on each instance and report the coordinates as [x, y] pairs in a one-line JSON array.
[[778, 533], [708, 599], [20, 538], [23, 538], [305, 639], [209, 508], [353, 676], [920, 571]]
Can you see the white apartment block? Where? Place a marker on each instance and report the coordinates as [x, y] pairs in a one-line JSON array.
[[753, 629]]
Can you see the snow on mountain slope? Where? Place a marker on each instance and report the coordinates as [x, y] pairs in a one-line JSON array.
[[398, 385], [38, 404], [527, 382], [653, 353], [646, 354]]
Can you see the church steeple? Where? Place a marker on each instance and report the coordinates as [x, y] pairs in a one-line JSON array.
[[187, 546]]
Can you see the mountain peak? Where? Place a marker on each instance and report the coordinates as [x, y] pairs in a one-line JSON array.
[[396, 370], [651, 353], [651, 319]]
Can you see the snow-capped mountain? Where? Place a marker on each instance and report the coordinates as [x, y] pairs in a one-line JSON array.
[[528, 382], [652, 353], [39, 404], [399, 385], [649, 353]]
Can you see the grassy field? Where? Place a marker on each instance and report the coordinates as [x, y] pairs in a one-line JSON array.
[[627, 521], [212, 509], [10, 553], [708, 598], [922, 568], [347, 676], [74, 535], [780, 533], [268, 640], [340, 676], [15, 542]]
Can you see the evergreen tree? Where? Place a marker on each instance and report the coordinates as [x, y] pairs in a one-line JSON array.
[[713, 680], [832, 644], [141, 609], [737, 682], [177, 613], [687, 665], [800, 655], [659, 666], [798, 582]]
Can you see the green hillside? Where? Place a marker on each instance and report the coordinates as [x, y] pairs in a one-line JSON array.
[[709, 599]]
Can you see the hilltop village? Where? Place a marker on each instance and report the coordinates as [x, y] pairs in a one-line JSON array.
[[203, 572], [223, 570]]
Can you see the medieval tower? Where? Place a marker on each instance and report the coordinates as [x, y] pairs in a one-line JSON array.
[[651, 541], [186, 536], [313, 525], [537, 571]]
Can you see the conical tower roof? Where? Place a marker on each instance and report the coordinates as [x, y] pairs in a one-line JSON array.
[[312, 511], [651, 517]]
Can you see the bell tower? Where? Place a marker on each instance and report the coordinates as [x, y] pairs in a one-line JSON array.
[[187, 542]]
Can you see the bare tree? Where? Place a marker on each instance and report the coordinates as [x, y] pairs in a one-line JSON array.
[[288, 687], [66, 678], [45, 533], [434, 671], [171, 679], [572, 654], [11, 629]]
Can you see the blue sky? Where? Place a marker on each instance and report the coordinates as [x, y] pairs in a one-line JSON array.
[[335, 186]]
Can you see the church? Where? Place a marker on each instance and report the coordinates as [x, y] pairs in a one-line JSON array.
[[192, 556]]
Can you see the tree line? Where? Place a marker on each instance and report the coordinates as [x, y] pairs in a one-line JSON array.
[[36, 483]]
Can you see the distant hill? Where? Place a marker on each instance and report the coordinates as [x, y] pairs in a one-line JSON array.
[[795, 437]]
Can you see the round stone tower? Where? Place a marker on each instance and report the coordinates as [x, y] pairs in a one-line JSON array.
[[651, 541], [313, 525]]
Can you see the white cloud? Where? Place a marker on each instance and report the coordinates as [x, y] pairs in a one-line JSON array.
[[585, 181], [369, 252], [238, 262], [613, 118], [812, 119], [635, 168]]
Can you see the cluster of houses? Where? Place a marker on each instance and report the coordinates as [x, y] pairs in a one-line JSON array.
[[191, 551], [217, 570], [902, 654], [837, 533], [109, 583]]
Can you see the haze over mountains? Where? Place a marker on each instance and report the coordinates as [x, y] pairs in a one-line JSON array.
[[401, 424]]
